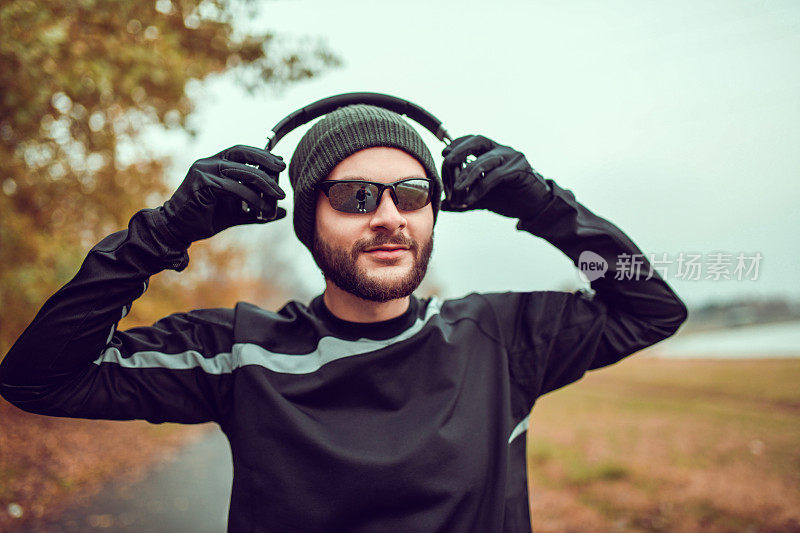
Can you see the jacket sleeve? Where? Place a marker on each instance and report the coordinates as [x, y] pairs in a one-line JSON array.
[[71, 361], [552, 338]]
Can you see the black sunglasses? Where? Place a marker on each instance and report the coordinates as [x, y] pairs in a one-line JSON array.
[[361, 196]]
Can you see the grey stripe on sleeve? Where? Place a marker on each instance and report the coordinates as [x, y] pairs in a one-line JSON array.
[[328, 349], [519, 429]]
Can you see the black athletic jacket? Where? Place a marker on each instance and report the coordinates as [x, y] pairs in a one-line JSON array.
[[412, 424]]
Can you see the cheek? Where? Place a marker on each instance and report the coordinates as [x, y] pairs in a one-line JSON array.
[[422, 223], [336, 228]]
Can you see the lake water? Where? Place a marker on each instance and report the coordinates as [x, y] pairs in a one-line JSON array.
[[766, 340]]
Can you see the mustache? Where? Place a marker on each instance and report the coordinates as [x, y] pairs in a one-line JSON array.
[[384, 239]]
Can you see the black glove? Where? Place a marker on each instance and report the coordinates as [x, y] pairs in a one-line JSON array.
[[499, 179], [222, 191]]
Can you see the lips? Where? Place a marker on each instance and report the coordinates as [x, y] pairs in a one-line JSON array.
[[386, 248], [386, 252]]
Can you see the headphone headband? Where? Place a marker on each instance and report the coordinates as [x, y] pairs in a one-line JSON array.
[[324, 106]]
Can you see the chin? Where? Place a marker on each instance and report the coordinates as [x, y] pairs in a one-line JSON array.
[[388, 275], [390, 283], [376, 268]]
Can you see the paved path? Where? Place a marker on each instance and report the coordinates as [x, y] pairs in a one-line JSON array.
[[189, 492]]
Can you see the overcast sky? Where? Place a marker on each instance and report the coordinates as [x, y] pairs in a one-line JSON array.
[[677, 121]]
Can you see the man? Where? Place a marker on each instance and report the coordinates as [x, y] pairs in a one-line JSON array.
[[369, 409]]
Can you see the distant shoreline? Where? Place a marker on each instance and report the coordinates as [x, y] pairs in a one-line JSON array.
[[772, 340]]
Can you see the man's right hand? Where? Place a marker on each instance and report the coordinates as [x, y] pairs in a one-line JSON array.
[[222, 191]]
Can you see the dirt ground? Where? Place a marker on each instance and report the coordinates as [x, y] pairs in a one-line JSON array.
[[654, 444]]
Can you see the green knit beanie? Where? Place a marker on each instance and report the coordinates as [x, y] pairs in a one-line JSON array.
[[338, 135]]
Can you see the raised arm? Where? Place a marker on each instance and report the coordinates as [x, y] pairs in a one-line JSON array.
[[71, 360], [554, 337]]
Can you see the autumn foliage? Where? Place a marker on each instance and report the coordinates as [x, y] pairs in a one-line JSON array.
[[80, 81]]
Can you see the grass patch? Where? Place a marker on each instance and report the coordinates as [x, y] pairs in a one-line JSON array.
[[576, 469], [605, 471], [711, 516]]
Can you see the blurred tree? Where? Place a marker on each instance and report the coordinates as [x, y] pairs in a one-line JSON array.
[[81, 80]]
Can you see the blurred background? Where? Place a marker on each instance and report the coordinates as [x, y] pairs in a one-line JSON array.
[[676, 121]]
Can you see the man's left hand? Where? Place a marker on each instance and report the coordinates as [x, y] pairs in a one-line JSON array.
[[499, 179]]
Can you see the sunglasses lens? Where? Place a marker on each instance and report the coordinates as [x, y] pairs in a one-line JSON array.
[[413, 194], [353, 197], [362, 197]]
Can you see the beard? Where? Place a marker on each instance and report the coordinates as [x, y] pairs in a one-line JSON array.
[[339, 265]]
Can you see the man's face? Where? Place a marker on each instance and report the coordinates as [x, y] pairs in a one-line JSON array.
[[377, 256]]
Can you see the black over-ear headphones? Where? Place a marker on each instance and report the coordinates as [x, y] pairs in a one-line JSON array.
[[324, 106]]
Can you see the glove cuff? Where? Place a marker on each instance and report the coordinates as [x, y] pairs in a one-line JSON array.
[[538, 213], [172, 250]]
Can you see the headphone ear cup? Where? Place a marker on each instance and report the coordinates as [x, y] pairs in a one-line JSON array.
[[451, 176], [449, 179]]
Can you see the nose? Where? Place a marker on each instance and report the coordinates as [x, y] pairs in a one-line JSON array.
[[387, 216]]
